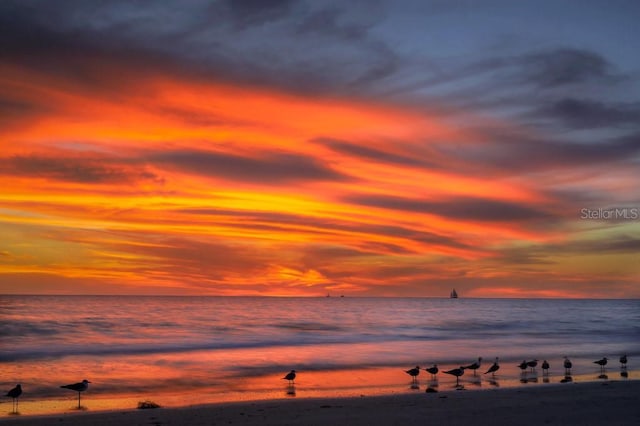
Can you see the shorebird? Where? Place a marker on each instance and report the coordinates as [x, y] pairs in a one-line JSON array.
[[495, 367], [432, 370], [290, 377], [545, 367], [532, 364], [14, 394], [623, 361], [523, 365], [414, 373], [456, 372], [474, 366], [78, 387], [601, 362], [567, 366]]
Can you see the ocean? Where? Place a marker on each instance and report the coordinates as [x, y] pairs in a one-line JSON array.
[[189, 350]]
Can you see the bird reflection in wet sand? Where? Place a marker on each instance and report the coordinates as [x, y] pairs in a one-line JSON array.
[[14, 394], [567, 379], [291, 390]]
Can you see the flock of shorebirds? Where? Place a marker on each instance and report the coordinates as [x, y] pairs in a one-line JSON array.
[[413, 372], [524, 365]]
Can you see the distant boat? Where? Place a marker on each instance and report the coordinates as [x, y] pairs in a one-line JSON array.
[[454, 294]]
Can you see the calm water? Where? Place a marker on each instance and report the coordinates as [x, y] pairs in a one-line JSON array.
[[219, 348]]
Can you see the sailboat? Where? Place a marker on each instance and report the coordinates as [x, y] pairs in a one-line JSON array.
[[454, 294]]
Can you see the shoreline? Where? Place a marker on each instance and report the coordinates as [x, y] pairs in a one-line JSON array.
[[609, 402]]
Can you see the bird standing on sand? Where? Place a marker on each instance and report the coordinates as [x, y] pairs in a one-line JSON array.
[[414, 373], [290, 377], [532, 364], [432, 370], [545, 367], [623, 361], [523, 365], [78, 387], [495, 367], [456, 372], [601, 362], [14, 394], [474, 366], [567, 366]]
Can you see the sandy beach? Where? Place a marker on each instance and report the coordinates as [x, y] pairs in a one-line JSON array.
[[595, 403]]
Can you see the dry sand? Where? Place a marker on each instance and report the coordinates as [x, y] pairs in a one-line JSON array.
[[596, 403]]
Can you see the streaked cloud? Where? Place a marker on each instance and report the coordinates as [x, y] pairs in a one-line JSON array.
[[299, 148]]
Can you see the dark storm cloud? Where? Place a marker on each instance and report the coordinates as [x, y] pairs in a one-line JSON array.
[[465, 208], [245, 13], [81, 170], [306, 47], [266, 168], [588, 114], [510, 151], [559, 67]]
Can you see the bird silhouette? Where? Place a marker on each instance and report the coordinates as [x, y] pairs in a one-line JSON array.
[[414, 373], [567, 366], [545, 367], [474, 366], [432, 370], [290, 377], [601, 362], [532, 364], [495, 367], [623, 361], [78, 387], [523, 365], [456, 372], [15, 394]]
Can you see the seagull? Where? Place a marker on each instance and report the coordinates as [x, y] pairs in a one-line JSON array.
[[601, 362], [567, 366], [532, 364], [432, 370], [623, 361], [78, 387], [545, 367], [523, 365], [414, 373], [291, 376], [495, 367], [456, 372], [474, 366], [14, 394]]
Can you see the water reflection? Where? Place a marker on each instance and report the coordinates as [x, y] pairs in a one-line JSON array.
[[567, 379], [291, 390]]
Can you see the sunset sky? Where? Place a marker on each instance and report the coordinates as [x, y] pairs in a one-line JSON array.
[[378, 148]]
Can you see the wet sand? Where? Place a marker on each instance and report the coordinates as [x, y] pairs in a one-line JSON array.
[[595, 403]]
